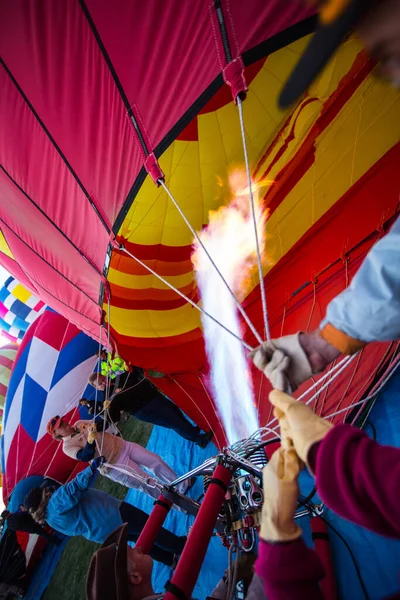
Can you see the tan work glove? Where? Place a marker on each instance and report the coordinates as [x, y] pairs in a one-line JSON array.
[[284, 362], [92, 435], [300, 426], [106, 404], [281, 490]]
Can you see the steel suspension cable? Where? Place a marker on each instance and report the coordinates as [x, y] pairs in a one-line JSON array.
[[210, 258], [253, 213], [189, 300]]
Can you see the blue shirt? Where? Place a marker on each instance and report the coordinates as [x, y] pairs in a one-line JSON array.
[[75, 509], [369, 309]]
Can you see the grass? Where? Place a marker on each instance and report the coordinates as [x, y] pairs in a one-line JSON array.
[[68, 581]]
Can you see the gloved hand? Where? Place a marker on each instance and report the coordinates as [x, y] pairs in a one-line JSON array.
[[284, 362], [299, 424], [97, 463], [106, 403], [92, 435], [281, 490]]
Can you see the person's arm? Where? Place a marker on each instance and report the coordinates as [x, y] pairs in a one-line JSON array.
[[23, 521], [72, 491], [87, 453], [289, 570], [369, 308], [359, 479]]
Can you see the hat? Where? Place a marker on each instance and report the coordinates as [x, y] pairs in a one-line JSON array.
[[108, 570], [336, 18], [33, 498], [53, 424]]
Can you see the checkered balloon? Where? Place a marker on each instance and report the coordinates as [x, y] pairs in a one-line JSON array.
[[18, 309]]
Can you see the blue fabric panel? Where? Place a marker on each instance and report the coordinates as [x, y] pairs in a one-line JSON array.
[[44, 571], [182, 456], [3, 466], [20, 323], [20, 309], [18, 372], [4, 293], [21, 489], [31, 414], [4, 326], [79, 349]]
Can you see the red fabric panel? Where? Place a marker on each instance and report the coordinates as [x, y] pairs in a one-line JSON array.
[[35, 165], [350, 226], [14, 268], [44, 457], [255, 22], [60, 296], [35, 237], [5, 361], [165, 54], [52, 53], [304, 158], [189, 391], [323, 549], [361, 211]]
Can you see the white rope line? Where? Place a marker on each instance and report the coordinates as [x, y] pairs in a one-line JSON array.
[[98, 373], [253, 213], [198, 408], [338, 368], [370, 397], [149, 481], [200, 242], [57, 362], [196, 306], [108, 379]]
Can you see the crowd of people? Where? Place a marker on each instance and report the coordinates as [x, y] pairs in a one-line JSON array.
[[354, 475]]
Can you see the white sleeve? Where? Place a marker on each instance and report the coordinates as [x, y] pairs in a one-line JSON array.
[[369, 309]]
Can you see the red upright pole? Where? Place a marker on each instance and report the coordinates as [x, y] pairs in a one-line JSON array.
[[153, 524], [323, 549], [190, 563]]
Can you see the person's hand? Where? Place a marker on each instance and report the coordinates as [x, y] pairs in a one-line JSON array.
[[97, 463], [292, 359], [281, 490], [300, 426], [284, 362], [379, 31], [106, 404], [92, 435]]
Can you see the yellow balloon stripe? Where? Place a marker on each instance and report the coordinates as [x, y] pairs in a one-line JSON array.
[[154, 324], [197, 172], [4, 246]]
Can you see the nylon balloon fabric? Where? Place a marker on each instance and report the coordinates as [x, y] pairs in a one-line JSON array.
[[49, 375], [148, 91], [7, 357], [18, 309]]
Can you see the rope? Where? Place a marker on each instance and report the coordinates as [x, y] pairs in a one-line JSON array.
[[198, 407], [200, 242], [150, 481], [250, 184], [364, 400], [196, 306], [338, 368], [108, 378]]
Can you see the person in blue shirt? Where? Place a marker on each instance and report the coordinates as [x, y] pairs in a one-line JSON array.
[[76, 509]]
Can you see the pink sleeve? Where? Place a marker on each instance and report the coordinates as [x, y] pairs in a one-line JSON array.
[[290, 571], [359, 479]]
